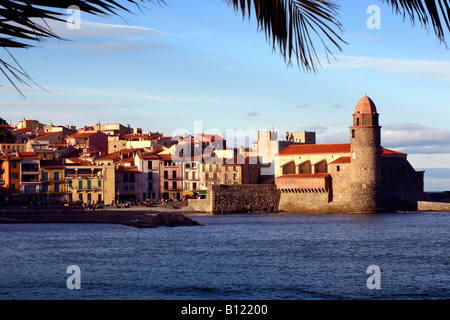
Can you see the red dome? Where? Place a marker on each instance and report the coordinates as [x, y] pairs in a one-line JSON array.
[[366, 106]]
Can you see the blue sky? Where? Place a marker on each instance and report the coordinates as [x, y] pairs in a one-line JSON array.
[[174, 66]]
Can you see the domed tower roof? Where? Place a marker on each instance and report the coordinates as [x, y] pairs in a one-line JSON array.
[[366, 106]]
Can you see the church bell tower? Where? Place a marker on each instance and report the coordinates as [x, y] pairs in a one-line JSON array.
[[365, 137]]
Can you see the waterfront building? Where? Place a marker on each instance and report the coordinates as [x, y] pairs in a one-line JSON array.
[[240, 171], [171, 177], [88, 140], [53, 181], [9, 178], [89, 182], [269, 145], [360, 176], [148, 166], [30, 182], [191, 174]]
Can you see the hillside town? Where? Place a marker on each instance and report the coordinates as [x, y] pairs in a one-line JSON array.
[[116, 164]]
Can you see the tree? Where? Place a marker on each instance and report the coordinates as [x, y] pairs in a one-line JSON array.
[[292, 26]]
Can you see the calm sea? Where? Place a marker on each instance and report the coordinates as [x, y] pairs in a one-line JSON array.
[[270, 257]]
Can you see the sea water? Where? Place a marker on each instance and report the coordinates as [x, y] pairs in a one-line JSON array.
[[232, 257]]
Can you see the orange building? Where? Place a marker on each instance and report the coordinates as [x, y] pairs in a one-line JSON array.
[[9, 178]]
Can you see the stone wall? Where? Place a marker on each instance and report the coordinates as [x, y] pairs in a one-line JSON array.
[[244, 198], [309, 202], [253, 198]]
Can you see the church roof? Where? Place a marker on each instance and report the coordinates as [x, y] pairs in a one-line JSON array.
[[315, 148], [366, 106]]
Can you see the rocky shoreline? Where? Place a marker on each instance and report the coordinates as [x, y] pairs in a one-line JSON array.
[[128, 217]]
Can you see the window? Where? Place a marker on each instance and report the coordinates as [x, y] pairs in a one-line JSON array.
[[13, 164], [357, 121], [132, 177], [338, 168], [125, 177], [166, 185], [89, 185], [56, 187], [174, 184], [353, 133], [203, 167], [56, 176], [99, 183], [44, 176], [45, 187], [166, 174], [235, 176], [14, 175], [80, 186], [194, 186], [13, 187], [174, 174], [70, 183]]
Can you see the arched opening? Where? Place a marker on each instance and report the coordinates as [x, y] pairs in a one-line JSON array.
[[288, 168], [304, 167]]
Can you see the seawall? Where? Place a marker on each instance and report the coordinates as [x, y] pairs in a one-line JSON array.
[[138, 219], [245, 198]]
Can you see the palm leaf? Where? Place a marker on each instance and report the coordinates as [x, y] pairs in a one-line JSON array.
[[292, 26], [429, 13]]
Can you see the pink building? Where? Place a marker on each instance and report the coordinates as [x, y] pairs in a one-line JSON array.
[[89, 140]]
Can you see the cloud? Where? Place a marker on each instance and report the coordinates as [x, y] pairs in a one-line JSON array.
[[339, 106], [415, 138], [112, 46], [89, 29], [127, 38], [302, 106], [253, 114], [410, 69]]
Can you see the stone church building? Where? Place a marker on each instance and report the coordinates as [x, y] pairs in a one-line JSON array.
[[360, 176]]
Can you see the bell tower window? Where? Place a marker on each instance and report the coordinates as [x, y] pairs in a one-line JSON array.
[[353, 133], [357, 122]]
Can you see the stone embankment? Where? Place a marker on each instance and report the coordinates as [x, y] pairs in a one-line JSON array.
[[134, 218]]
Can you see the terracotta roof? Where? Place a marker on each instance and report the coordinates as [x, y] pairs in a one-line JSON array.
[[111, 156], [385, 151], [128, 169], [78, 162], [82, 134], [148, 156], [328, 148], [366, 106], [44, 135], [342, 160], [28, 155], [315, 148], [9, 156], [305, 176]]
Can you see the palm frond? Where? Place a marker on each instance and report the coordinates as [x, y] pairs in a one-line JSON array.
[[429, 13], [23, 24], [292, 26]]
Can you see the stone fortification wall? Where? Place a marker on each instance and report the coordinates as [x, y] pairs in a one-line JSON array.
[[304, 202], [244, 198], [238, 199]]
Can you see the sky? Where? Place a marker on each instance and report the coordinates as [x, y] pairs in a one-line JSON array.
[[198, 66]]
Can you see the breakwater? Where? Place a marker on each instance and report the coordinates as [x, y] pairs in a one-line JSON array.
[[138, 219]]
